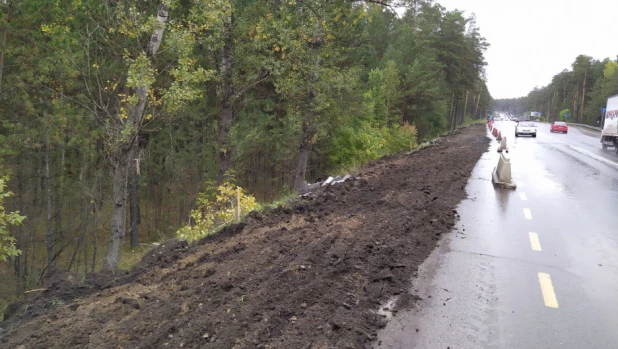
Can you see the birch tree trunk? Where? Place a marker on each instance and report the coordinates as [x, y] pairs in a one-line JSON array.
[[227, 92], [303, 149]]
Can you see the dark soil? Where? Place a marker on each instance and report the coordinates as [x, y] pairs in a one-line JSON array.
[[311, 275]]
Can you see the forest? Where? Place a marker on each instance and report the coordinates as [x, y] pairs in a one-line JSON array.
[[123, 117], [575, 95]]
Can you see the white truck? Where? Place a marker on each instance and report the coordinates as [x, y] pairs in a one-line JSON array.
[[530, 116], [609, 135]]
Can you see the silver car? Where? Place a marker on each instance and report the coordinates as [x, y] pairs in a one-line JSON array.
[[525, 128]]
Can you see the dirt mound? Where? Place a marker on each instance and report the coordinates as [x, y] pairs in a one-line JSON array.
[[311, 275]]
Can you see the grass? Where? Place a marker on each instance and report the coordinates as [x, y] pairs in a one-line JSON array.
[[131, 256], [469, 121], [282, 201], [421, 146]]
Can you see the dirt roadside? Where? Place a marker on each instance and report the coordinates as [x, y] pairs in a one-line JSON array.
[[307, 276]]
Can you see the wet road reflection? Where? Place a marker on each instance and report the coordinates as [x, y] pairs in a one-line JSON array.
[[500, 280]]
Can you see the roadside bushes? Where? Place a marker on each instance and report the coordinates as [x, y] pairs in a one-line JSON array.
[[356, 147], [399, 138], [8, 246], [563, 113], [215, 207]]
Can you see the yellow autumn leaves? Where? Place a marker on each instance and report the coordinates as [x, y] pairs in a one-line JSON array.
[[216, 207]]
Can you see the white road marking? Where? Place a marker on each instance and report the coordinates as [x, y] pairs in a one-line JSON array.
[[527, 213], [534, 242], [594, 156], [549, 296], [523, 196]]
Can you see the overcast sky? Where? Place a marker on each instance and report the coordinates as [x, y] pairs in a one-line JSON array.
[[533, 40]]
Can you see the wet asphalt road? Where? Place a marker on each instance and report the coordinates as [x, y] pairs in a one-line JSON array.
[[535, 267]]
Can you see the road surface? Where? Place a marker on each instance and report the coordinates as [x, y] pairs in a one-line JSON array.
[[535, 267]]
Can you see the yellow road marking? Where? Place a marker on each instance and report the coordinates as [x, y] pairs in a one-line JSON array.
[[523, 196], [548, 291], [534, 241], [527, 213]]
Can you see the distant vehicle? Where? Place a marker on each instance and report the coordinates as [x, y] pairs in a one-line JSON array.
[[559, 126], [515, 119], [609, 135], [530, 115], [525, 128]]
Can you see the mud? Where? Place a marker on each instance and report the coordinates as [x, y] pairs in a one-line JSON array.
[[309, 275]]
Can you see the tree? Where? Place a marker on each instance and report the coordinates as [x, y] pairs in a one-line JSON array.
[[139, 79], [185, 91], [309, 70], [582, 90], [7, 242], [4, 29], [146, 91], [375, 98], [392, 94]]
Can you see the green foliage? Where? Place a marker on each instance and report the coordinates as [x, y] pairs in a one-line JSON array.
[[375, 97], [7, 219], [583, 90], [399, 138], [562, 114], [215, 207], [357, 147], [365, 82], [392, 94], [469, 121], [609, 69]]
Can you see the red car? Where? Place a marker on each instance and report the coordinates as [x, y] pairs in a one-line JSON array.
[[559, 126]]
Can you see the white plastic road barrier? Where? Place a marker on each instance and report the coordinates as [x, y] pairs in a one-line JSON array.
[[502, 173], [340, 179], [327, 181], [502, 146], [499, 136]]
